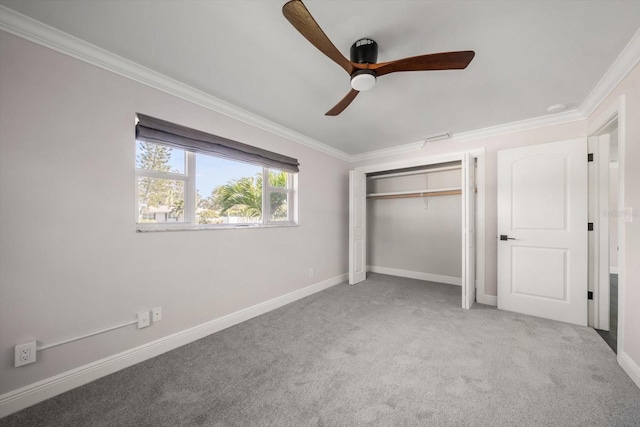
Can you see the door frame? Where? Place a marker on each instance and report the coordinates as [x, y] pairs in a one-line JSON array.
[[598, 171], [479, 154], [617, 111]]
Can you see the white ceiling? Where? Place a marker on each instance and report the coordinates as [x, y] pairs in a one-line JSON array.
[[529, 55]]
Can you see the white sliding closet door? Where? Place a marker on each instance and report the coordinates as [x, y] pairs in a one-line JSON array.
[[469, 231], [357, 227]]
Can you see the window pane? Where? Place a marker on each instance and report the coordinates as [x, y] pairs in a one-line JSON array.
[[160, 200], [159, 158], [279, 207], [227, 192], [278, 178]]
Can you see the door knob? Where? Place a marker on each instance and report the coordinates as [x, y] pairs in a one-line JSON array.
[[505, 237]]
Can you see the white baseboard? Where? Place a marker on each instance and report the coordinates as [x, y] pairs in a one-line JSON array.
[[415, 275], [24, 397], [487, 299], [613, 270], [630, 367]]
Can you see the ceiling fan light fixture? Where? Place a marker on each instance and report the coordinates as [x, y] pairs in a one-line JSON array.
[[363, 80], [363, 67]]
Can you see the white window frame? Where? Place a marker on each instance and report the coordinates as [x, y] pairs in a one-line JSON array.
[[189, 179], [289, 190]]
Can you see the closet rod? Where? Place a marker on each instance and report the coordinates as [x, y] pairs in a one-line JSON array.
[[418, 172], [421, 194]]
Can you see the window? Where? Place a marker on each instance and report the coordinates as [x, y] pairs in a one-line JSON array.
[[180, 188]]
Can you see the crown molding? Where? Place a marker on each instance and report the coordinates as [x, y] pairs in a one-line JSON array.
[[621, 67], [521, 125], [386, 152], [536, 122], [37, 32], [45, 35]]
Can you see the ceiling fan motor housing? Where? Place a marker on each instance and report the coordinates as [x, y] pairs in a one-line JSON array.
[[364, 51]]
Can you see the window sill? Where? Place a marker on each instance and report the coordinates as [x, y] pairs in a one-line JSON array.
[[162, 228]]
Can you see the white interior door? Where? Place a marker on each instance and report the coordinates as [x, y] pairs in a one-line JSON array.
[[542, 227], [469, 231], [599, 237], [357, 227]]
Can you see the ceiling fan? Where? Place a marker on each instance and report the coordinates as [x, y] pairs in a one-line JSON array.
[[362, 67]]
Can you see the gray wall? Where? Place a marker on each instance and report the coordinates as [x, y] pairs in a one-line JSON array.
[[416, 234], [70, 259]]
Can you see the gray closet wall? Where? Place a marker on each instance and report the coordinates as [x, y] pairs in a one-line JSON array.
[[418, 234]]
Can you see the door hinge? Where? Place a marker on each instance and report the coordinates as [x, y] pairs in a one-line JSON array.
[[590, 157], [589, 295], [590, 226]]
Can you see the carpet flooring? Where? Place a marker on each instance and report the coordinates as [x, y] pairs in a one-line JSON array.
[[386, 352]]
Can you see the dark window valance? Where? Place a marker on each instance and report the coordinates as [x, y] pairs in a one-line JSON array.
[[160, 131]]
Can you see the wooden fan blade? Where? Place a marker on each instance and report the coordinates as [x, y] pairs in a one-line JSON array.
[[435, 61], [298, 15], [344, 103]]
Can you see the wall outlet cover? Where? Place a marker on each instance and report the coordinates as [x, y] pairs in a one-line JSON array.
[[144, 319], [156, 314], [25, 354]]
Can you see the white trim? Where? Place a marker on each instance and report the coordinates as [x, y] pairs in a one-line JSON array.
[[52, 38], [536, 122], [415, 275], [606, 118], [521, 125], [468, 238], [613, 270], [621, 67], [622, 226], [487, 299], [386, 152], [630, 367], [190, 191], [45, 35], [416, 161], [481, 295], [617, 109], [31, 394]]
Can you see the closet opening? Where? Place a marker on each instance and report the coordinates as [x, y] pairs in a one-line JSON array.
[[416, 221], [413, 223]]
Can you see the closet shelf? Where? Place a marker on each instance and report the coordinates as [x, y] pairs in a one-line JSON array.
[[418, 172], [416, 193]]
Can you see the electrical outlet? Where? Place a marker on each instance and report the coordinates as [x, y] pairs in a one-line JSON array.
[[25, 354], [143, 319], [311, 272], [156, 314]]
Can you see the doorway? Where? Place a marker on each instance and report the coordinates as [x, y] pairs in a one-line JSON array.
[[606, 248]]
